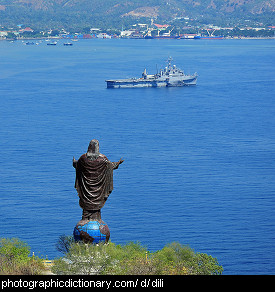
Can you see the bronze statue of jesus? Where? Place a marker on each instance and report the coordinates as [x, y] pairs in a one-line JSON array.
[[94, 180]]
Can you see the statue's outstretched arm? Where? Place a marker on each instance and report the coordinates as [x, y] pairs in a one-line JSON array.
[[116, 164]]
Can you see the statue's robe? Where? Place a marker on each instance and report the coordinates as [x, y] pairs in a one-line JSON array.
[[94, 181]]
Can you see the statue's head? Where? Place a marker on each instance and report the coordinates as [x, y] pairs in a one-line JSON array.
[[93, 150]]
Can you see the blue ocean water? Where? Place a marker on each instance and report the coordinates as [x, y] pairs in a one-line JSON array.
[[199, 161]]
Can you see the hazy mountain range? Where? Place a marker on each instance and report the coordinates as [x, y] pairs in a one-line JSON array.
[[117, 12]]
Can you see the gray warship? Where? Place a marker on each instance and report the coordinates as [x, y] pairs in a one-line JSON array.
[[168, 77]]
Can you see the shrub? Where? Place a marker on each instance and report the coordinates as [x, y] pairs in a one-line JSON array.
[[15, 260], [14, 249], [184, 260], [132, 259], [84, 259]]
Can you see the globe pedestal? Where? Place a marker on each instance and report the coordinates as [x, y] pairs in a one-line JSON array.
[[91, 228]]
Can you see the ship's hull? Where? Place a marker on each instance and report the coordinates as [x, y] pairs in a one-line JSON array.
[[141, 83], [208, 37], [162, 37]]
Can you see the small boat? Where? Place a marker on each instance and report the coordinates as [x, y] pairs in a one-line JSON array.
[[67, 44], [52, 44]]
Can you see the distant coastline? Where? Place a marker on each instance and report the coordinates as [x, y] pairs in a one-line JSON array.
[[62, 38]]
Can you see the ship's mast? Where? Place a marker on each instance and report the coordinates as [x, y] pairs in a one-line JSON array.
[[170, 59]]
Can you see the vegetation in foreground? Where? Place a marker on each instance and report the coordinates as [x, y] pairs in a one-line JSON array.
[[132, 259], [111, 259], [15, 259]]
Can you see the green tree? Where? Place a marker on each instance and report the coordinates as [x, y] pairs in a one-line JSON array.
[[14, 249], [55, 32], [15, 259], [182, 257], [11, 35]]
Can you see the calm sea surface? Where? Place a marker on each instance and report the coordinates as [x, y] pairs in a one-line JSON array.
[[199, 161]]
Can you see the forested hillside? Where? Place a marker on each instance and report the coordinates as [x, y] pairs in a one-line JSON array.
[[115, 13]]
